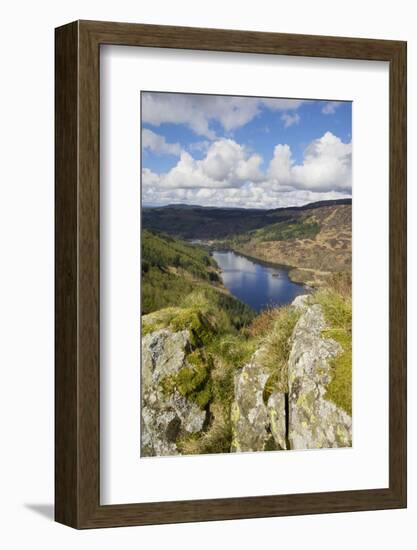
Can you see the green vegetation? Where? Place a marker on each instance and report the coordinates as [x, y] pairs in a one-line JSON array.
[[288, 230], [197, 222], [338, 314], [182, 290], [161, 289], [276, 350], [192, 382], [177, 294], [165, 252]]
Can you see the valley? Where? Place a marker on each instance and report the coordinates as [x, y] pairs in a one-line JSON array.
[[237, 353]]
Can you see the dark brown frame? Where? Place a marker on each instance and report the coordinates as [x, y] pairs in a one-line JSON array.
[[77, 274]]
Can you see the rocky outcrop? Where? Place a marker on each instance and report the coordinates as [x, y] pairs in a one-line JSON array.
[[314, 422], [303, 418], [165, 416], [260, 418], [256, 426]]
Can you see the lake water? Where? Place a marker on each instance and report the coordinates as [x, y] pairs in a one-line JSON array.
[[255, 283]]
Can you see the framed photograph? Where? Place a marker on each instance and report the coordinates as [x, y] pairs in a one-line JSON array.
[[230, 274]]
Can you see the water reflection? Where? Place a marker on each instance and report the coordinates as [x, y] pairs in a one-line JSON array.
[[254, 283]]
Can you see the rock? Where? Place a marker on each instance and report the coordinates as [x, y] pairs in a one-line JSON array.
[[300, 302], [256, 426], [165, 417], [314, 422], [276, 414]]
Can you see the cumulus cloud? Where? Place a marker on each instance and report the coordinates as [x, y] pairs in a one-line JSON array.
[[226, 164], [157, 143], [327, 166], [289, 120], [229, 175], [198, 112], [329, 108]]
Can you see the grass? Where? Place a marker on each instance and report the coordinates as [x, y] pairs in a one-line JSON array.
[[339, 390], [276, 348], [262, 323], [337, 311], [216, 439], [178, 293]]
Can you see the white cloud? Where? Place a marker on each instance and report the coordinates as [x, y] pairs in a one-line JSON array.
[[199, 111], [329, 108], [226, 164], [157, 143], [250, 195], [281, 165], [229, 175], [327, 166], [289, 120]]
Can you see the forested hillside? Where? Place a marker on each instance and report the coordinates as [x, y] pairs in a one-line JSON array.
[[198, 222], [174, 271]]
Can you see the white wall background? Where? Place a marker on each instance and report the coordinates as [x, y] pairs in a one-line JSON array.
[[26, 272]]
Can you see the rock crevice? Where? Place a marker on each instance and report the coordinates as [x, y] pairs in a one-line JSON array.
[[303, 418]]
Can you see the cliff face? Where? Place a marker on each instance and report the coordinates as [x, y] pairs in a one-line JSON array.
[[303, 417]]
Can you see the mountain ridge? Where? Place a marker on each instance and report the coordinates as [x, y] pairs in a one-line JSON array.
[[206, 223], [315, 204]]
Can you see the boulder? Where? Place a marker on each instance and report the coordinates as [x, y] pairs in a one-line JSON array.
[[277, 419], [301, 302], [165, 417], [256, 426], [314, 422]]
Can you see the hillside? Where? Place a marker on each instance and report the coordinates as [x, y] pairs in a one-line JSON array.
[[173, 272], [317, 243], [218, 379], [315, 239], [282, 382], [205, 223]]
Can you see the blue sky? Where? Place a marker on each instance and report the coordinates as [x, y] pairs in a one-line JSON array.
[[244, 152]]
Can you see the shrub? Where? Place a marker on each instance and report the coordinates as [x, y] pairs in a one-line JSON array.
[[262, 322]]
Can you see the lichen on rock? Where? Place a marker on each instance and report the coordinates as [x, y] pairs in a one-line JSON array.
[[194, 402], [165, 416], [314, 422], [256, 426]]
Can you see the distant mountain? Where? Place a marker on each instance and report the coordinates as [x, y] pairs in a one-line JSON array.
[[199, 222]]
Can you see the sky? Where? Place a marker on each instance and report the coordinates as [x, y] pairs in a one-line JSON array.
[[248, 152]]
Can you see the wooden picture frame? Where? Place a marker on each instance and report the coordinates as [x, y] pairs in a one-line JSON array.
[[77, 374]]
